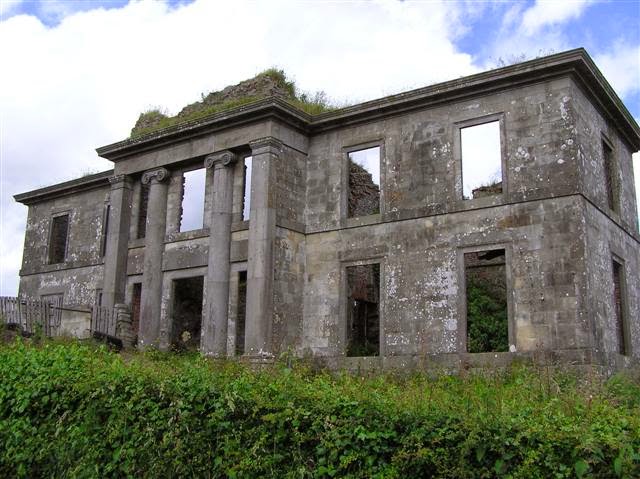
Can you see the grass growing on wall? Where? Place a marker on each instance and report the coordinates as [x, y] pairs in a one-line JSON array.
[[315, 103], [68, 410]]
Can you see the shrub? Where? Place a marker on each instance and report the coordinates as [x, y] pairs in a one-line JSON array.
[[82, 411]]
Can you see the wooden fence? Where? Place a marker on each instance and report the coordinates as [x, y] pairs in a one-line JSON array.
[[30, 316]]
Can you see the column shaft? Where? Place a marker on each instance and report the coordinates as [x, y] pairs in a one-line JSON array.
[[214, 328], [151, 300], [115, 261], [262, 229]]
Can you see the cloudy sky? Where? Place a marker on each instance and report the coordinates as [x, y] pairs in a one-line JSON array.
[[76, 74]]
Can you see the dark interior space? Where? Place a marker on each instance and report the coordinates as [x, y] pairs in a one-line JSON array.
[[187, 313], [363, 315], [58, 244], [241, 312], [135, 308]]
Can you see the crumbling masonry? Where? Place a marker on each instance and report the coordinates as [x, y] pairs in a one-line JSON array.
[[303, 250]]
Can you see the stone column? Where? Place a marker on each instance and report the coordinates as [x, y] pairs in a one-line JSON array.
[[262, 229], [115, 261], [214, 326], [150, 304]]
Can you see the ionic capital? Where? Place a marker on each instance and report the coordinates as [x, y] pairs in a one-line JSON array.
[[157, 175], [268, 144], [220, 160]]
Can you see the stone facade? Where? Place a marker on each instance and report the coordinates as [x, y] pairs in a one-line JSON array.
[[551, 214]]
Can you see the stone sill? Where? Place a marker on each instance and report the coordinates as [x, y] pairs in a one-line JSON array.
[[52, 268], [186, 235], [240, 226], [363, 220]]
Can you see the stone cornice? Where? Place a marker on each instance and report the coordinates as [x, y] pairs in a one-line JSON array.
[[157, 175], [86, 183], [220, 160]]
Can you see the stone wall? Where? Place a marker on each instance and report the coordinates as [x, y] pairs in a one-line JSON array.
[[81, 274], [420, 155], [422, 268]]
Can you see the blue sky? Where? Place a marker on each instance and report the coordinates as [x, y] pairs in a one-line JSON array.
[[76, 74]]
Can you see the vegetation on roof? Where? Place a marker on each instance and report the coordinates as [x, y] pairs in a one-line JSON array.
[[269, 83]]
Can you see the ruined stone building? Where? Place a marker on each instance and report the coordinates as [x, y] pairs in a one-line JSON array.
[[386, 230]]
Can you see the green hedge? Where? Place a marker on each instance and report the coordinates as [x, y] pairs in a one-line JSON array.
[[78, 411]]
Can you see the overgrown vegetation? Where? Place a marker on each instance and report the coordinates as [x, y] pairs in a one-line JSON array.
[[486, 318], [77, 411], [156, 119]]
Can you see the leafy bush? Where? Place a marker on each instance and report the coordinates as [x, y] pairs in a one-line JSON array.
[[78, 411]]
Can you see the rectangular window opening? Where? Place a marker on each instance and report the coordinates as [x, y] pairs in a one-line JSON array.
[[619, 306], [481, 160], [192, 208], [241, 312], [487, 312], [246, 188], [142, 213], [364, 182], [187, 313], [609, 176], [105, 230], [363, 310], [58, 239]]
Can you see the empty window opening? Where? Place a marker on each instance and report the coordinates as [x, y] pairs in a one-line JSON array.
[[105, 230], [364, 182], [487, 316], [619, 306], [241, 312], [187, 313], [58, 239], [136, 298], [142, 212], [363, 310], [192, 208], [98, 297], [481, 160], [609, 176], [246, 188]]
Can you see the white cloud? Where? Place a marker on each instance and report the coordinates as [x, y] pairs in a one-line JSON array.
[[621, 67], [551, 12], [68, 89]]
